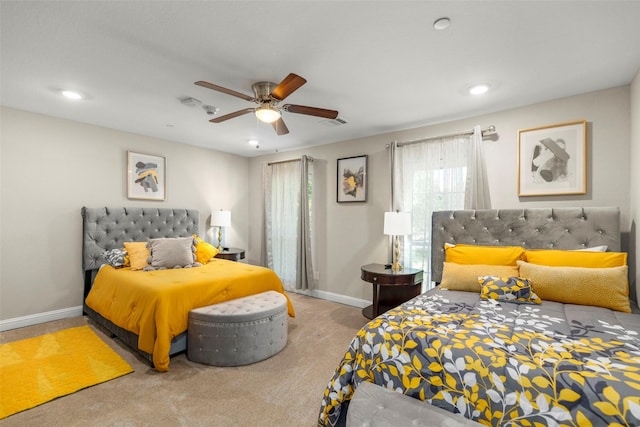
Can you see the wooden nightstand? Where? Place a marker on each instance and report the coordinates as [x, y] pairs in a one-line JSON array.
[[232, 254], [390, 288]]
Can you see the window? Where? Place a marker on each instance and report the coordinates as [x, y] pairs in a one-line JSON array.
[[429, 176]]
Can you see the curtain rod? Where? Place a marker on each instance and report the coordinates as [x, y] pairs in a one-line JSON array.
[[489, 130], [288, 161]]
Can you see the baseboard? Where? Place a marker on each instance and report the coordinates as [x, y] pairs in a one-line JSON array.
[[330, 296], [49, 316], [34, 319]]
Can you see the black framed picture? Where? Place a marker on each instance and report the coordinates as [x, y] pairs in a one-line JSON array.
[[352, 179]]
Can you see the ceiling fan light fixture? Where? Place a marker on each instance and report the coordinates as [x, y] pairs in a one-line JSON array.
[[267, 114]]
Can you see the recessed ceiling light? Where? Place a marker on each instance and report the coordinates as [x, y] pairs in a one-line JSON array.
[[442, 23], [479, 89], [253, 142], [70, 94]]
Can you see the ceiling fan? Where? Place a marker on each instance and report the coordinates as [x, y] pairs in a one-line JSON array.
[[268, 95]]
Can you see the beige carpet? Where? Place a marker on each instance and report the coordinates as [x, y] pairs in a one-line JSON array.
[[284, 390]]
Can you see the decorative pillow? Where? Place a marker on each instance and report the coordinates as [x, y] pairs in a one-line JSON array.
[[174, 252], [600, 287], [508, 289], [204, 251], [491, 255], [560, 258], [464, 277], [138, 254], [117, 258]]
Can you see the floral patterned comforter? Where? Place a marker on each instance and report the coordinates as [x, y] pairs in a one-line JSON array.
[[499, 363]]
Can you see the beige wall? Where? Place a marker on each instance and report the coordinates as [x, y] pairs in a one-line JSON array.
[[634, 252], [53, 167], [50, 168], [352, 233]]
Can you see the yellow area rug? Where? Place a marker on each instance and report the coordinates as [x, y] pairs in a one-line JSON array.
[[36, 370]]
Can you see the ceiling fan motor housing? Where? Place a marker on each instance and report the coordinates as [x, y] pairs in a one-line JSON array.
[[262, 91]]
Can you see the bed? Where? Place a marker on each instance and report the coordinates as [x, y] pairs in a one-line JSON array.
[[148, 310], [509, 358]]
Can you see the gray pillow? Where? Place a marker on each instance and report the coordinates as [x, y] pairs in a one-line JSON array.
[[175, 252]]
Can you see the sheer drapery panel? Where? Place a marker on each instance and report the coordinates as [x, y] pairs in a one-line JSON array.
[[287, 244], [428, 176]]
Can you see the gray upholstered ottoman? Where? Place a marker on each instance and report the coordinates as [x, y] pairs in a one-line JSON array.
[[239, 331]]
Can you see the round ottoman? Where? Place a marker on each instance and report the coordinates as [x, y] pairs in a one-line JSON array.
[[238, 332]]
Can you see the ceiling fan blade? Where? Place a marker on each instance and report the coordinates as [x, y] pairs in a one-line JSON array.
[[224, 90], [311, 111], [287, 86], [232, 115], [280, 127]]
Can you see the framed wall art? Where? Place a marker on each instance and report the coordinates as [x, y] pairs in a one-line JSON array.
[[552, 160], [146, 176], [352, 179]]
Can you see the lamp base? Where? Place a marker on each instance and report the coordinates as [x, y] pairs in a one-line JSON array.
[[396, 252], [220, 239]]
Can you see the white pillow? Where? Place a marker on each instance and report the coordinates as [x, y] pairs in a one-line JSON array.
[[594, 249]]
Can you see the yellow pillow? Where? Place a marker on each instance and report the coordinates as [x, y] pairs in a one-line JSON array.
[[491, 255], [464, 277], [600, 287], [138, 254], [204, 251], [552, 257]]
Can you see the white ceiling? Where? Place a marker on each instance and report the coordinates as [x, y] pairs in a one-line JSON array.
[[381, 64]]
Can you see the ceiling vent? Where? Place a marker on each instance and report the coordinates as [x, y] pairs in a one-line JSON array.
[[190, 102], [338, 121]]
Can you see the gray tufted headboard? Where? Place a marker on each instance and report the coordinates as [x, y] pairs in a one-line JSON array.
[[535, 228], [108, 228]]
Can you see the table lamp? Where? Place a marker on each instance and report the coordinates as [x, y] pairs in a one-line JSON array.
[[397, 224], [220, 219]]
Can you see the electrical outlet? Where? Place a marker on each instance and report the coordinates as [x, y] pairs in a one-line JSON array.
[[316, 275]]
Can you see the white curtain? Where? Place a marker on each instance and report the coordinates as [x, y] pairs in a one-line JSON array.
[[287, 247], [477, 188], [428, 176]]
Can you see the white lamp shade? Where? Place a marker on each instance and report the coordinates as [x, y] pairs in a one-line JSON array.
[[220, 218], [397, 223]]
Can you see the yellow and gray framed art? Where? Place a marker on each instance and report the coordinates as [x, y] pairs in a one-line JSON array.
[[552, 160], [146, 176], [352, 179]]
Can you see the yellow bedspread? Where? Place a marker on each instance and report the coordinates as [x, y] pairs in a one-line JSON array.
[[155, 304]]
